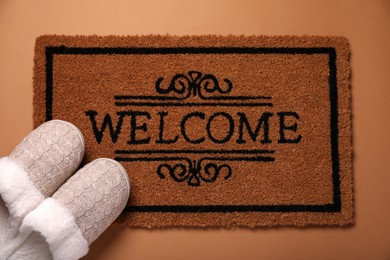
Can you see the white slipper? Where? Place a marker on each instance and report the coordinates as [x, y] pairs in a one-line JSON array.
[[36, 168], [79, 211]]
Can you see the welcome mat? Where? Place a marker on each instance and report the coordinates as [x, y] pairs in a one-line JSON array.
[[213, 131]]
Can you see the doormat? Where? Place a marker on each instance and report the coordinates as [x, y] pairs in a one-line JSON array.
[[213, 131]]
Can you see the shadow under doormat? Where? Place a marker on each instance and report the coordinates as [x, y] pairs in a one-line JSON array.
[[213, 131]]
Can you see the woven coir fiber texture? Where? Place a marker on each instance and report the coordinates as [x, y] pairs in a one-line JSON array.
[[213, 131]]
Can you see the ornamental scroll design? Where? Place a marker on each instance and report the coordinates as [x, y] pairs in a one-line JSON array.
[[195, 84], [194, 172]]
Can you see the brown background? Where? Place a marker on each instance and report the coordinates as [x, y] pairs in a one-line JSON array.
[[365, 23]]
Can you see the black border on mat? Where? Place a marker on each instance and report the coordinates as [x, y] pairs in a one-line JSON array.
[[331, 52]]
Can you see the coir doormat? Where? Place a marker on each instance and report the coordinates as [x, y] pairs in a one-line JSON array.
[[213, 131]]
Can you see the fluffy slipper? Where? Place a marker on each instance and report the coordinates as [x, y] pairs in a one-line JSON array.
[[80, 210], [35, 169]]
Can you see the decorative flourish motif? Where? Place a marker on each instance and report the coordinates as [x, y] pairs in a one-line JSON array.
[[194, 172], [194, 84]]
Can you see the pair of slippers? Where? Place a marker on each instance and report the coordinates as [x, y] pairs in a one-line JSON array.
[[46, 209]]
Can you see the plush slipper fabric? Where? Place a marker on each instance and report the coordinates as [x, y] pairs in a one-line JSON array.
[[35, 169], [81, 209]]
